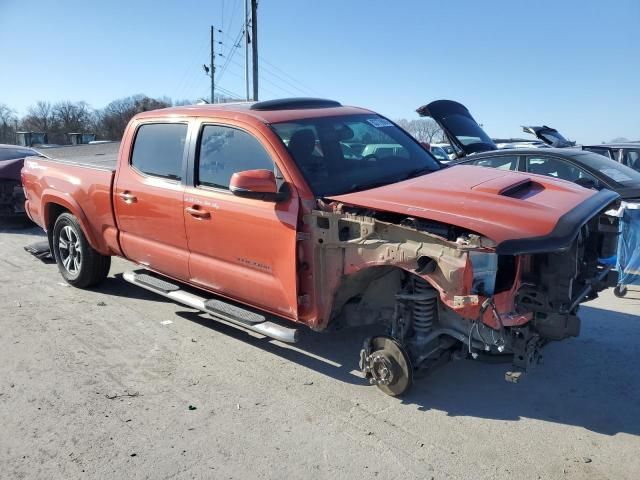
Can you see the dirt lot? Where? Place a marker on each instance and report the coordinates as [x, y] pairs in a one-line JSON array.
[[93, 384]]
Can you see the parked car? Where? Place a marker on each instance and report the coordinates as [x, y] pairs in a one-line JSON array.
[[439, 153], [11, 195], [625, 153], [582, 167], [503, 143], [232, 210], [451, 153]]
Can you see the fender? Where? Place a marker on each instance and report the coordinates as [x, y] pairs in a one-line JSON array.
[[50, 196]]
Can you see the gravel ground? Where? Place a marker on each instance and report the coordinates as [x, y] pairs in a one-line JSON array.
[[98, 384]]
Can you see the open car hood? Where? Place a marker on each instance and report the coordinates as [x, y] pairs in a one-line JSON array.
[[459, 126], [550, 136], [522, 213]]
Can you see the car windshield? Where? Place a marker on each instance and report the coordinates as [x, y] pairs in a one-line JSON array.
[[349, 153], [610, 168], [13, 153]]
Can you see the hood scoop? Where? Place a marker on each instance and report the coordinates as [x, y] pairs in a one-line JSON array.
[[507, 186]]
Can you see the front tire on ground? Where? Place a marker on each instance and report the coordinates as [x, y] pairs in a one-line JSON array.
[[79, 264]]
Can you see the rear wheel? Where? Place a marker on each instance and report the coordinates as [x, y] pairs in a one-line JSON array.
[[79, 264]]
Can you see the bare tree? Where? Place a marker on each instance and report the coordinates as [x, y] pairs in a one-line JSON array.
[[39, 117], [114, 117], [71, 117], [8, 121], [422, 129]]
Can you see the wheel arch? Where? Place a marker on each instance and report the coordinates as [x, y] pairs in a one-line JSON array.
[[53, 205]]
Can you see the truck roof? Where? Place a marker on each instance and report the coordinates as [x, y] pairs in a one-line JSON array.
[[271, 111]]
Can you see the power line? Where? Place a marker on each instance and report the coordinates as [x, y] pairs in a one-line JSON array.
[[291, 81]]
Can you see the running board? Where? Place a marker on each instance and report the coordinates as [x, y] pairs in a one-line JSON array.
[[220, 310]]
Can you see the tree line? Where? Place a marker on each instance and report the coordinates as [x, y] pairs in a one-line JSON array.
[[60, 118]]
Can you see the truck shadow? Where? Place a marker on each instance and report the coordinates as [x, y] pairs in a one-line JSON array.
[[20, 225], [589, 381]]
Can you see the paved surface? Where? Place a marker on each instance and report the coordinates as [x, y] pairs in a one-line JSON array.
[[94, 385]]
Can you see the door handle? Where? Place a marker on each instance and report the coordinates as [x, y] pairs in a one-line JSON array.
[[128, 197], [195, 211]]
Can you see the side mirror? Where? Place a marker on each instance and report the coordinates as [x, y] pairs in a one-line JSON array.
[[586, 182], [257, 184]]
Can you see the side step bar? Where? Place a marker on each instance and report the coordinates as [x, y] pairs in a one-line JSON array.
[[241, 317]]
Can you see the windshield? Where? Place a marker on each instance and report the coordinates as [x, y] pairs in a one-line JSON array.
[[13, 153], [609, 168], [349, 153]]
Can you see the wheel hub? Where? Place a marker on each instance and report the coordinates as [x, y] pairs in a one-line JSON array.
[[387, 365], [381, 369]]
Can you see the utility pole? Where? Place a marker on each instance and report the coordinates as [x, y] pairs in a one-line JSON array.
[[213, 68], [246, 49], [254, 46]]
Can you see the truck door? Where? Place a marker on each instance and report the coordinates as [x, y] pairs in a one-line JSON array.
[[242, 248], [148, 199]]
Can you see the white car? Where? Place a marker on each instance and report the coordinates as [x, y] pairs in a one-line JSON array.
[[451, 153]]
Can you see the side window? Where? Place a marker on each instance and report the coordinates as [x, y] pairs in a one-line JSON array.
[[601, 151], [631, 158], [503, 162], [225, 151], [158, 149], [554, 167]]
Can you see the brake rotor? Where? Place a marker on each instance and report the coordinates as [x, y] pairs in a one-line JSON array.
[[387, 365]]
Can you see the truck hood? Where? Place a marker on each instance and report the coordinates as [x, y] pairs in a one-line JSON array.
[[522, 213]]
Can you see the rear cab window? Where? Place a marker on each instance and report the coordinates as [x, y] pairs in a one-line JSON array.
[[158, 149], [223, 151]]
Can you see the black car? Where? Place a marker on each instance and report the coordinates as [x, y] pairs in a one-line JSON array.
[[11, 195], [585, 168], [625, 153]]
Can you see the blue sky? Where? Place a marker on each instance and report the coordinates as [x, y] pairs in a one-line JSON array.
[[569, 64]]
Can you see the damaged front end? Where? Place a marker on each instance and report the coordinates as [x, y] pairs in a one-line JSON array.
[[441, 290]]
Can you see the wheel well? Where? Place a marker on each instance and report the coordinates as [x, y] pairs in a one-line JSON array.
[[368, 296], [52, 212]]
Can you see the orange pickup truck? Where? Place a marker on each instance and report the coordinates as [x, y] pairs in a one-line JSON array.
[[303, 212]]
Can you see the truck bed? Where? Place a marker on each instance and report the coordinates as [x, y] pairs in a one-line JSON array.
[[98, 155]]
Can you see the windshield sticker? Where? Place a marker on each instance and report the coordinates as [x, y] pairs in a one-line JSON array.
[[380, 122], [616, 175]]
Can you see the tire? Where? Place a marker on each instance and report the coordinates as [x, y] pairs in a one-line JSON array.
[[620, 291], [79, 264]]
